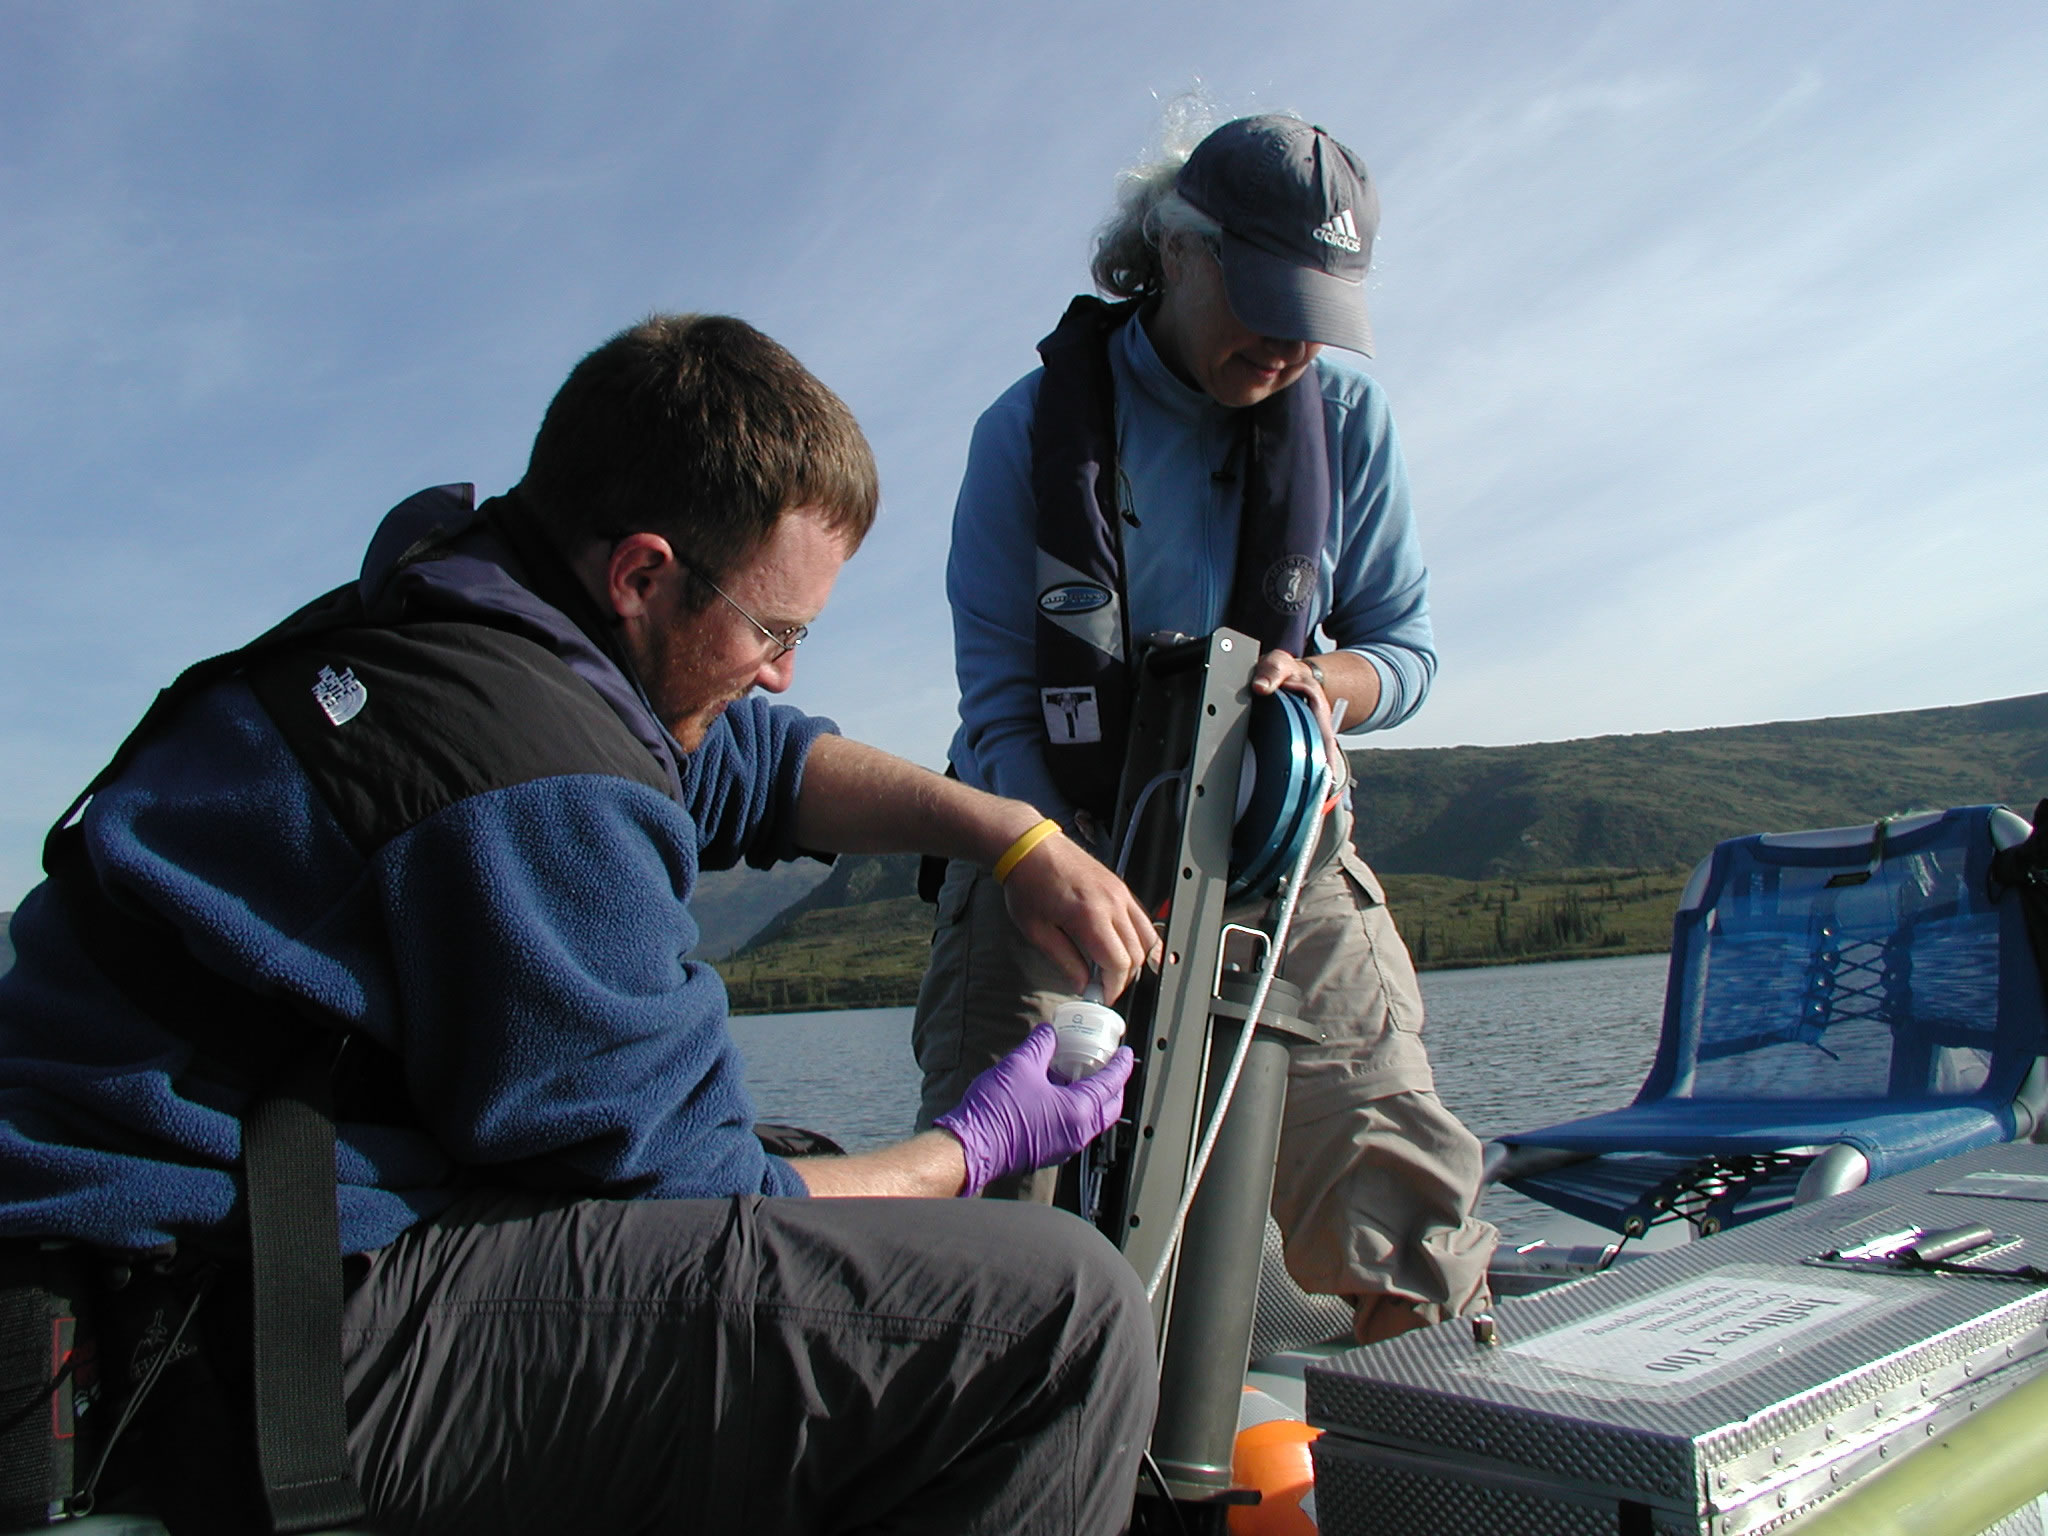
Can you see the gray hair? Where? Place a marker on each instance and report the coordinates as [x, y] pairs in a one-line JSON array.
[[1149, 213]]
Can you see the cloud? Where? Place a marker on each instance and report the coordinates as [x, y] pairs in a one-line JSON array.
[[1747, 337], [1713, 332]]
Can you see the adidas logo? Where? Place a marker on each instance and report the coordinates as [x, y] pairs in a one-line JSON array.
[[1340, 232]]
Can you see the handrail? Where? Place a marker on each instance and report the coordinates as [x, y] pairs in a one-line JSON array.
[[1958, 1484]]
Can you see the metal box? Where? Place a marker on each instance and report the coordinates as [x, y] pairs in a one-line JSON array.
[[1717, 1389]]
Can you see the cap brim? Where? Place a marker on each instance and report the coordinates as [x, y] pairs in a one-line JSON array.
[[1278, 297]]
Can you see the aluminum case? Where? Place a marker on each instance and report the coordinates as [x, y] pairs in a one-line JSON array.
[[1719, 1388]]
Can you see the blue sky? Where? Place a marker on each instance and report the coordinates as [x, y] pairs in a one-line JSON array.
[[1715, 332]]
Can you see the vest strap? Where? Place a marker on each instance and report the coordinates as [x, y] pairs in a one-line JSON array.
[[295, 1263]]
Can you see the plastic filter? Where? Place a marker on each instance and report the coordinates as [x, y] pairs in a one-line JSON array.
[[1087, 1036]]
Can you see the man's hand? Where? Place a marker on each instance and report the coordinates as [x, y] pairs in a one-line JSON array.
[[1064, 900], [1012, 1119], [858, 799], [1015, 1118]]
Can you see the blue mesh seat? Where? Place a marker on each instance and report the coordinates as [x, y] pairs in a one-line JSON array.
[[1842, 1005]]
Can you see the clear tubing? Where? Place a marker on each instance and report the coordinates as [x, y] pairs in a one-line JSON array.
[[1123, 854]]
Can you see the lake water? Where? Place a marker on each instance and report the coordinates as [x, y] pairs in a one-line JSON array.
[[1514, 1047]]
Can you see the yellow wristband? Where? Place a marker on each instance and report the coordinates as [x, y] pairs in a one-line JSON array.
[[1023, 846]]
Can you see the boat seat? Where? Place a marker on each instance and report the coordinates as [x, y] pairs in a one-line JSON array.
[[1842, 1005]]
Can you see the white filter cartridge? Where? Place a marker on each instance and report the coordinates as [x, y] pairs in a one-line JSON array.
[[1089, 1034]]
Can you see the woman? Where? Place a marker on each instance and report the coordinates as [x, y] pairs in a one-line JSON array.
[[1190, 455]]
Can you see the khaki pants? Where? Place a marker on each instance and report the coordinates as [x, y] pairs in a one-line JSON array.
[[1376, 1182]]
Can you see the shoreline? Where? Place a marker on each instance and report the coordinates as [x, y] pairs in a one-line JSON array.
[[742, 1003]]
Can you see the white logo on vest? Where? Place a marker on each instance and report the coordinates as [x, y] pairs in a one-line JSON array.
[[1071, 718], [1290, 581], [1075, 597], [341, 698]]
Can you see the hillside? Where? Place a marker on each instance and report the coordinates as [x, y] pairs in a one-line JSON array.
[[732, 905], [1496, 855], [857, 940], [1651, 801], [855, 880]]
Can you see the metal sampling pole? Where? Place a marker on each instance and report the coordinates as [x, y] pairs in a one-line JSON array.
[[1177, 808]]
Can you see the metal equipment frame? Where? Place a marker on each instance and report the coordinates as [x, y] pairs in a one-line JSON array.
[[1176, 807]]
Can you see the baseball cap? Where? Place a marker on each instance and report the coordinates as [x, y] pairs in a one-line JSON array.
[[1298, 213]]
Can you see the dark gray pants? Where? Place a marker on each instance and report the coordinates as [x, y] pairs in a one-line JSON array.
[[528, 1364]]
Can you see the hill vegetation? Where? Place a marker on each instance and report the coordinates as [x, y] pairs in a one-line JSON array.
[[1651, 801], [1496, 855], [1566, 914], [732, 905], [858, 940]]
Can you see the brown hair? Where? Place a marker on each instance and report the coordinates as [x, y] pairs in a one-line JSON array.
[[703, 430]]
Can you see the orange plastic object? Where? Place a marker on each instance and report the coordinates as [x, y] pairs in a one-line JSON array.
[[1273, 1458]]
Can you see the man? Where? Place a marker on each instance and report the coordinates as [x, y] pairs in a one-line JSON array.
[[1186, 458], [453, 814]]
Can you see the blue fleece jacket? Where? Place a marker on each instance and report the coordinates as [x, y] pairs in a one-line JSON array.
[[1180, 551], [523, 952]]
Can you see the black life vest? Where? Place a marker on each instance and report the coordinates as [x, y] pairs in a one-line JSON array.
[[396, 705], [1082, 624]]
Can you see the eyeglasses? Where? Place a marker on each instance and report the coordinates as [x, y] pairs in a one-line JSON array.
[[784, 641]]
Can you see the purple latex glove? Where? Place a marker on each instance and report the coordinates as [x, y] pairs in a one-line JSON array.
[[1014, 1117]]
